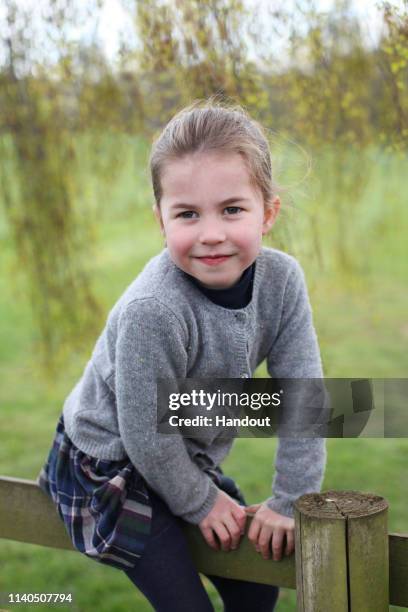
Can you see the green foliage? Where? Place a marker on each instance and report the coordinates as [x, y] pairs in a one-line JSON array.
[[394, 49], [39, 191], [193, 49], [333, 96]]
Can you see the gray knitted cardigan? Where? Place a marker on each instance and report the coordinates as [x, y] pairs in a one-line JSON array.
[[164, 327]]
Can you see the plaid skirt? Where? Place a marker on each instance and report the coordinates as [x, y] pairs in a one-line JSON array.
[[104, 504]]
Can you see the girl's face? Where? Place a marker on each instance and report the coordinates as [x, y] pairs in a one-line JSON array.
[[212, 217]]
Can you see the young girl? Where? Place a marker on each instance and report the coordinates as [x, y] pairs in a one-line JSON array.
[[213, 304]]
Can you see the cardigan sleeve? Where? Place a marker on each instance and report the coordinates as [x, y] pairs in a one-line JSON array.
[[299, 462], [151, 344]]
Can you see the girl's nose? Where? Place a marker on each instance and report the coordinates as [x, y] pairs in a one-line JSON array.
[[211, 233]]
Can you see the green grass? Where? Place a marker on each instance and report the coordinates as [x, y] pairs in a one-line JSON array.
[[360, 317]]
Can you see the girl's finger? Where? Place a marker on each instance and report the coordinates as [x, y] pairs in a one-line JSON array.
[[209, 537], [264, 541], [224, 536], [290, 542], [254, 530], [241, 520], [250, 506], [234, 530], [277, 540], [253, 508]]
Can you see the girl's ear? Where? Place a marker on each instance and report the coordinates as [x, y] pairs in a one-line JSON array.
[[157, 214], [270, 214]]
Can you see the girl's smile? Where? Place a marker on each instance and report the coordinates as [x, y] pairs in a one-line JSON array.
[[214, 260], [212, 216]]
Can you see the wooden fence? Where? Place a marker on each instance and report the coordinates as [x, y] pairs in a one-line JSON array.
[[345, 560]]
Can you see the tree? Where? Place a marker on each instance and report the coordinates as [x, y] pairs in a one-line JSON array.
[[39, 184]]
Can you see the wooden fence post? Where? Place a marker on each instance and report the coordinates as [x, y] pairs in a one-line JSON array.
[[341, 550]]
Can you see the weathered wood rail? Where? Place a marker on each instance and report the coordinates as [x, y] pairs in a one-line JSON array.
[[345, 560]]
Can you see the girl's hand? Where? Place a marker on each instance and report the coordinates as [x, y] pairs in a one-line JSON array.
[[268, 529], [227, 520]]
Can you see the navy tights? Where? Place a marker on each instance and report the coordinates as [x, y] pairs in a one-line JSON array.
[[167, 577]]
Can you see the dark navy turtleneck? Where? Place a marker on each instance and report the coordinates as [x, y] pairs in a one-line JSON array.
[[237, 296]]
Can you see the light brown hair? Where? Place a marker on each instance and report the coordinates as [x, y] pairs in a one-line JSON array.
[[212, 125]]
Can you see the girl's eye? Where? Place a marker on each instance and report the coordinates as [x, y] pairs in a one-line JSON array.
[[187, 214], [233, 210]]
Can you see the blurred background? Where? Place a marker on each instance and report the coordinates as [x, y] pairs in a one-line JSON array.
[[84, 88]]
